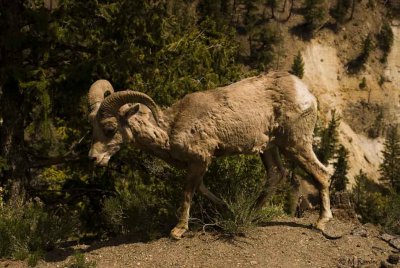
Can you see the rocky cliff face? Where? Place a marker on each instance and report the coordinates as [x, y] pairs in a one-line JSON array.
[[365, 113], [326, 74]]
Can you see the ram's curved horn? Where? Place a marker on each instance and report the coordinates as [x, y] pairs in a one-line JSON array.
[[110, 106], [97, 92]]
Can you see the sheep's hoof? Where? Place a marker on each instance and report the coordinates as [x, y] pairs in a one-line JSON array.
[[324, 217], [320, 226], [331, 233], [177, 232], [321, 223]]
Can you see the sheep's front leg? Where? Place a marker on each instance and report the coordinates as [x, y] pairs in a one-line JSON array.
[[194, 178]]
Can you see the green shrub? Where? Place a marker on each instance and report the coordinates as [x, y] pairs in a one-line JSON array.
[[376, 204], [284, 194], [139, 213], [241, 215], [392, 222], [29, 230], [146, 202], [146, 198], [34, 258], [228, 174], [363, 83], [79, 261], [238, 181], [3, 166], [368, 199]]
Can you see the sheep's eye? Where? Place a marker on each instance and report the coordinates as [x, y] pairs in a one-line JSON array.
[[109, 126], [109, 132], [107, 93]]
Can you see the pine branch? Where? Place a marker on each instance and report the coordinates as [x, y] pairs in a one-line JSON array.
[[54, 161]]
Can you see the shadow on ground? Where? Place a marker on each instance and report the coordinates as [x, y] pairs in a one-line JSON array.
[[70, 248]]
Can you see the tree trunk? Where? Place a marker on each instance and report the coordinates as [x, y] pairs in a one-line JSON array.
[[284, 6], [290, 10], [234, 20], [12, 100], [12, 142], [352, 9]]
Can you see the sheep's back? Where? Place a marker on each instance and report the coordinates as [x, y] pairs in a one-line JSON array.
[[233, 119]]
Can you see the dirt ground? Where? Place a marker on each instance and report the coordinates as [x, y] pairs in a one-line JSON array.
[[284, 242]]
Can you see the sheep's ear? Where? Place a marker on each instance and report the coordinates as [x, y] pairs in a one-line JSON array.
[[131, 110]]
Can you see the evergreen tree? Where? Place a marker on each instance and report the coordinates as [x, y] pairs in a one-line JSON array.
[[353, 7], [390, 167], [263, 46], [355, 65], [314, 13], [367, 46], [329, 139], [339, 179], [272, 4], [250, 16], [377, 128], [359, 188], [21, 51], [157, 48], [298, 66], [220, 11], [339, 12], [385, 40]]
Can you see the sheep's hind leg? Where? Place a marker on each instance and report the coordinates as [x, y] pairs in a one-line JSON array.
[[307, 159], [194, 179], [275, 173], [207, 193]]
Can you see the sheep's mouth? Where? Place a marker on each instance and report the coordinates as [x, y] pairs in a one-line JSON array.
[[102, 161]]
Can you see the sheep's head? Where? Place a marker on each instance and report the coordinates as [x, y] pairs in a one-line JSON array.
[[109, 120]]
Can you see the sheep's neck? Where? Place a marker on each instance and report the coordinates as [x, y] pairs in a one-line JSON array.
[[152, 138]]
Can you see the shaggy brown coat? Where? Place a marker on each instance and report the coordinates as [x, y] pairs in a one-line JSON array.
[[256, 115]]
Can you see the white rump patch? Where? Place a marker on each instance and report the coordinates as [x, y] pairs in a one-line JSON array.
[[303, 96]]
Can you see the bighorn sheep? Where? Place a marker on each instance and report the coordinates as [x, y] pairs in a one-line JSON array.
[[256, 115]]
